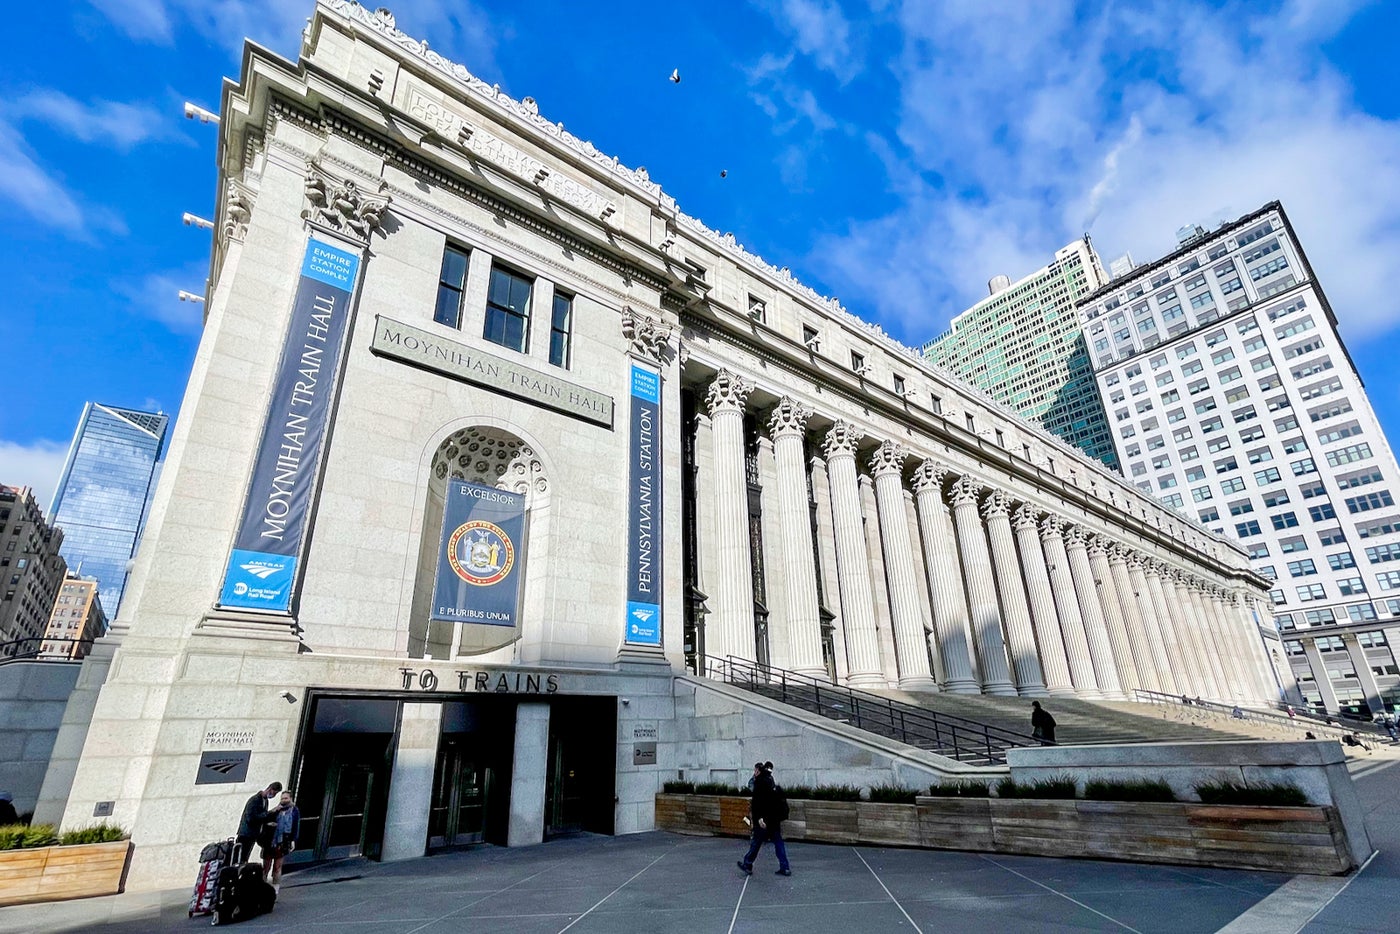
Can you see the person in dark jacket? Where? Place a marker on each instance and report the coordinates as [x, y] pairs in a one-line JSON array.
[[1042, 724], [7, 809], [256, 812], [768, 810]]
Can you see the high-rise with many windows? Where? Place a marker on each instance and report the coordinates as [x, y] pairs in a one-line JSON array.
[[103, 493], [1022, 345], [31, 569], [1234, 401]]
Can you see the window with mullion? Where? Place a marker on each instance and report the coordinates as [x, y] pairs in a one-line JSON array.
[[508, 310], [561, 326], [451, 286]]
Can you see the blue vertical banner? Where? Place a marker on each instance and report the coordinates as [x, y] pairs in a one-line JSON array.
[[481, 558], [262, 568], [644, 569]]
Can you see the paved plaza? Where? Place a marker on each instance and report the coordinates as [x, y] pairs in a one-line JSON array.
[[660, 882]]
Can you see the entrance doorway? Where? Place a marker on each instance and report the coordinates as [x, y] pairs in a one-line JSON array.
[[458, 810], [581, 779]]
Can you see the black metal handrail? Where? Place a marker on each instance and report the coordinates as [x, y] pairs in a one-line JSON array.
[[1298, 721], [9, 650], [946, 734]]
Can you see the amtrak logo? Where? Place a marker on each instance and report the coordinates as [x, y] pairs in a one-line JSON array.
[[480, 553], [643, 615], [224, 767], [260, 570]]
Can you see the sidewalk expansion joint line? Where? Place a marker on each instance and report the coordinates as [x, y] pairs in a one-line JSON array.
[[887, 891], [1347, 885], [480, 900], [616, 890], [1061, 894], [734, 919]]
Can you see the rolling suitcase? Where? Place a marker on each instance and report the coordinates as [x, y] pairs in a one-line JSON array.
[[242, 893], [212, 859]]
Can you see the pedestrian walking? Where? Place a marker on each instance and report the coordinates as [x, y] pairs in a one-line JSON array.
[[1042, 724], [768, 809]]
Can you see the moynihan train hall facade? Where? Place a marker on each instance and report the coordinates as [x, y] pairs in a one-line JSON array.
[[491, 455]]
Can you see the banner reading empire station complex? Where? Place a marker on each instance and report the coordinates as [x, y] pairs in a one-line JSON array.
[[481, 561], [262, 566], [644, 510]]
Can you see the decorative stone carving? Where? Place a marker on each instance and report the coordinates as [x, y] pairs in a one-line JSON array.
[[1098, 548], [1075, 536], [1052, 526], [342, 205], [728, 391], [238, 209], [965, 491], [889, 457], [928, 475], [1025, 518], [789, 417], [647, 336], [997, 503], [841, 438], [491, 457]]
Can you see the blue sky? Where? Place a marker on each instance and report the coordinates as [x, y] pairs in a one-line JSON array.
[[895, 155]]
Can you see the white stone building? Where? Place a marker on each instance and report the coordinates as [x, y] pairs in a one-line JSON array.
[[1235, 402], [803, 491]]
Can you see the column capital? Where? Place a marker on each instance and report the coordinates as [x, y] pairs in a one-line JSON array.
[[789, 417], [1026, 518], [342, 205], [648, 337], [997, 503], [965, 490], [1118, 553], [888, 458], [1098, 548], [728, 391], [1074, 536], [1052, 526], [842, 438], [929, 476]]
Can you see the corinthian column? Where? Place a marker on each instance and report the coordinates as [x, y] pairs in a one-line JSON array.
[[1081, 664], [787, 425], [1215, 605], [1147, 609], [1091, 608], [1113, 617], [853, 571], [1137, 631], [981, 589], [911, 648], [945, 588], [1215, 640], [1010, 584], [1192, 638], [729, 630], [1043, 615], [1176, 648]]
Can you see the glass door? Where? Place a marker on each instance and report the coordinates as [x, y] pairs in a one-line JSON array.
[[457, 814], [347, 807]]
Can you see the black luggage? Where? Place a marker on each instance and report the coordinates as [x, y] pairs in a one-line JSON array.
[[212, 859], [242, 894]]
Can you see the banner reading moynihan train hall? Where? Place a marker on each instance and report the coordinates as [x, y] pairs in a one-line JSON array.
[[262, 567], [644, 509], [481, 559]]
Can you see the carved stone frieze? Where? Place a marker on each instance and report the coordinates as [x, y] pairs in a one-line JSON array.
[[789, 417], [728, 392], [842, 438], [647, 336], [889, 457], [343, 205]]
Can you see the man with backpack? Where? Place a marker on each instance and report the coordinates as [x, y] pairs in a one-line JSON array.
[[768, 809]]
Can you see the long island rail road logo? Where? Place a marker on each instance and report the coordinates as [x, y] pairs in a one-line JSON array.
[[480, 553]]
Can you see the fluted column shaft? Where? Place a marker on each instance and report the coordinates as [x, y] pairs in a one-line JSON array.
[[1113, 617], [1141, 646], [1020, 635], [1091, 609], [1042, 604], [799, 573], [1081, 663], [1187, 640], [1263, 668], [1152, 627], [911, 648], [981, 589], [853, 577], [1215, 640], [1235, 639], [945, 592], [729, 630], [826, 558], [1209, 663], [1181, 675]]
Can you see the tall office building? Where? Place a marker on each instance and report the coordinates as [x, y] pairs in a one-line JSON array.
[[77, 619], [102, 496], [31, 569], [1234, 401], [1023, 346]]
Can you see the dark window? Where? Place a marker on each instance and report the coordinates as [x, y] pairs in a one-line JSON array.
[[561, 327], [451, 285], [508, 310]]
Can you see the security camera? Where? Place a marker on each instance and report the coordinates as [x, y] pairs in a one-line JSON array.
[[626, 701], [288, 696]]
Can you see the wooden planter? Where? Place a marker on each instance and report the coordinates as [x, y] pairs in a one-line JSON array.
[[54, 873], [1284, 839]]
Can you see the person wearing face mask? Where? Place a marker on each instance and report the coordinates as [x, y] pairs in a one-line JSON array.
[[256, 812]]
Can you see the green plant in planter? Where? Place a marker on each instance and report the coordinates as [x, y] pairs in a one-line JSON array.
[[101, 832], [963, 789], [1056, 787], [836, 793], [23, 836], [1129, 790], [678, 788], [719, 788], [892, 794], [797, 792], [1226, 791]]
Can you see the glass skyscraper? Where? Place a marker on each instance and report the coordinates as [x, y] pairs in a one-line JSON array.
[[103, 494]]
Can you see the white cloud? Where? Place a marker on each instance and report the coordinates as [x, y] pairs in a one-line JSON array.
[[156, 296], [821, 31], [37, 464], [34, 189], [1021, 123], [110, 123]]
